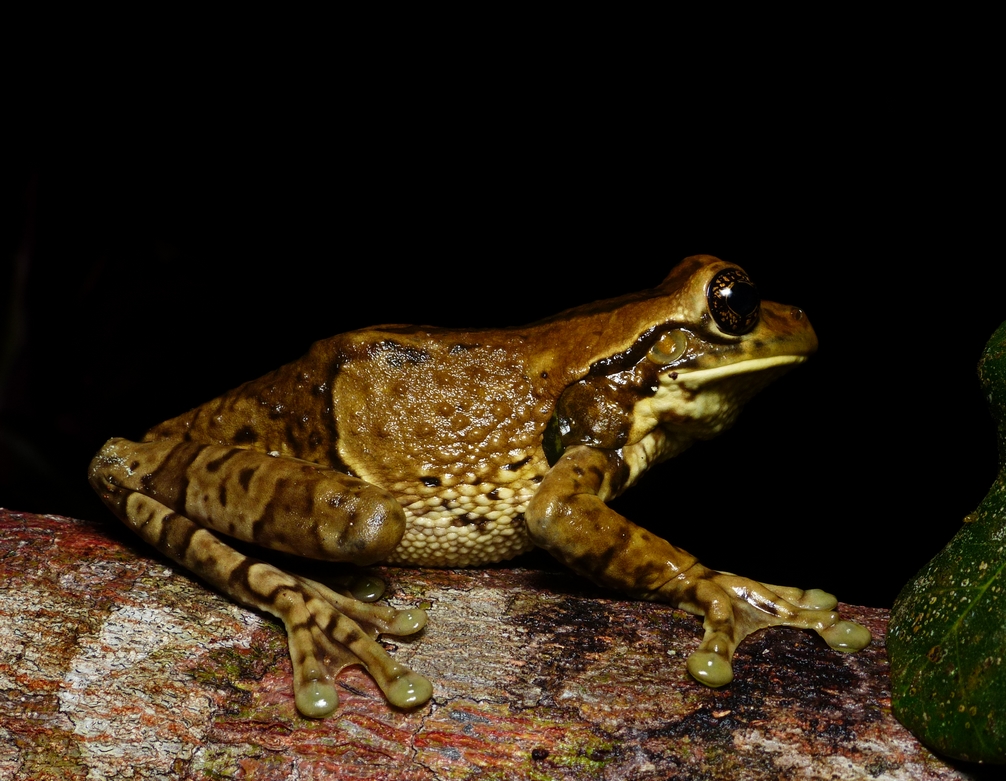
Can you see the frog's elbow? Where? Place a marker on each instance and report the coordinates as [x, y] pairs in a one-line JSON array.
[[545, 513]]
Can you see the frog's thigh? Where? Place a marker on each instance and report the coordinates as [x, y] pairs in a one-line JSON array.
[[326, 630], [568, 517], [323, 638], [280, 503]]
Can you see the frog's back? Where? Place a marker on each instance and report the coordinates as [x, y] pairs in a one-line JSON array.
[[449, 423]]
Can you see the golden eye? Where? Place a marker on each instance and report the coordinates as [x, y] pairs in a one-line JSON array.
[[733, 301], [668, 348]]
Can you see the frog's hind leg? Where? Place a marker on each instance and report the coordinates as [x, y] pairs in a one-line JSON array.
[[326, 630]]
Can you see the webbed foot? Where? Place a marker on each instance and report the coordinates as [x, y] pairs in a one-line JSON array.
[[328, 631], [734, 607]]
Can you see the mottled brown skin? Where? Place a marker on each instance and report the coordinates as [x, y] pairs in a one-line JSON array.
[[426, 446]]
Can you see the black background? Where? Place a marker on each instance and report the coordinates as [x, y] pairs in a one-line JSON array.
[[165, 270]]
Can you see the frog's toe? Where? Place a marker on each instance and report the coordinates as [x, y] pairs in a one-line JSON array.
[[366, 588], [316, 699], [407, 622], [710, 668], [805, 599], [407, 689], [816, 610], [845, 635]]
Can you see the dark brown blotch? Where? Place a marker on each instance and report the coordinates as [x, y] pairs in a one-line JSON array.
[[595, 562], [771, 608], [273, 596], [245, 436], [630, 357], [216, 463], [176, 535], [299, 626], [293, 439], [331, 458], [352, 637], [245, 476], [398, 355], [516, 464]]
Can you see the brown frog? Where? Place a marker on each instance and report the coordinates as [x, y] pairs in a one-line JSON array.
[[422, 446]]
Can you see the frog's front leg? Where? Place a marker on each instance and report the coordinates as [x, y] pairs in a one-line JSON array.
[[172, 493], [569, 518]]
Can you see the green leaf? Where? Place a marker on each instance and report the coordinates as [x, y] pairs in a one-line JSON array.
[[947, 634]]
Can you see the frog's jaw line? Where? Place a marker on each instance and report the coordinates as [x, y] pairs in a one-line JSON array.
[[690, 397], [694, 380]]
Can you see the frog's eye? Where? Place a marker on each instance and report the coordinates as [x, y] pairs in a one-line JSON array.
[[668, 348], [734, 301]]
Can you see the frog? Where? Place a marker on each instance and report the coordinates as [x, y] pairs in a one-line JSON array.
[[419, 446]]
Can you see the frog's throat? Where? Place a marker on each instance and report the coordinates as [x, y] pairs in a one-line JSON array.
[[703, 402], [697, 378]]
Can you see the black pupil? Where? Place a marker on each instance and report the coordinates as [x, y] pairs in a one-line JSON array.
[[743, 298]]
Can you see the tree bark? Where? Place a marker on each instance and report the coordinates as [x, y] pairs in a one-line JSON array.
[[116, 664]]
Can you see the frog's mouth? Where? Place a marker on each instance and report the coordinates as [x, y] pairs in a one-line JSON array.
[[694, 379], [705, 402]]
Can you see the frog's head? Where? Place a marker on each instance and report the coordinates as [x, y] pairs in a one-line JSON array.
[[721, 346], [692, 351]]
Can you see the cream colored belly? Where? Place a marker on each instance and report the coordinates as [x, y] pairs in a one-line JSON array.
[[467, 526]]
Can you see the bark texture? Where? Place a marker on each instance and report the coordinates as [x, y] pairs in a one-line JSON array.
[[115, 664]]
